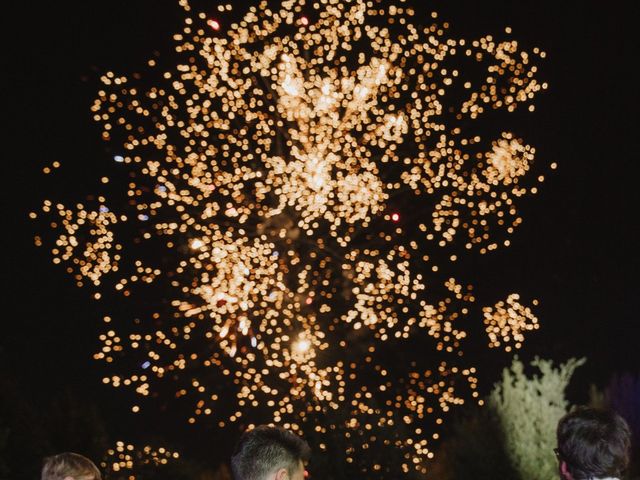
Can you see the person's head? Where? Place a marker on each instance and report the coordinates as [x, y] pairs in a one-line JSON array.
[[592, 443], [269, 453], [69, 466]]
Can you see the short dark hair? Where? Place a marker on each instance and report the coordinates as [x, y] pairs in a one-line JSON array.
[[69, 465], [265, 449], [594, 443]]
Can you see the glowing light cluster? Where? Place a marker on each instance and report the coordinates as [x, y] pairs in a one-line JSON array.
[[96, 254], [124, 460], [297, 179], [507, 322]]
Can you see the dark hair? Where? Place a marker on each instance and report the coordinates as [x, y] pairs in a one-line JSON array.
[[68, 464], [265, 449], [594, 443]]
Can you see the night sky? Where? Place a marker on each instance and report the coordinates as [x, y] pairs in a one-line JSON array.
[[577, 251]]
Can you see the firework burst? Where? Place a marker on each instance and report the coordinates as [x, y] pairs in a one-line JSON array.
[[297, 181]]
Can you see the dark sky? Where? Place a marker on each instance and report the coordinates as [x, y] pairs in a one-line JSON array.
[[576, 252]]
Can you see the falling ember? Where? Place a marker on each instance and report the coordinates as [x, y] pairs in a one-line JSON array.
[[196, 244], [302, 346], [253, 245]]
